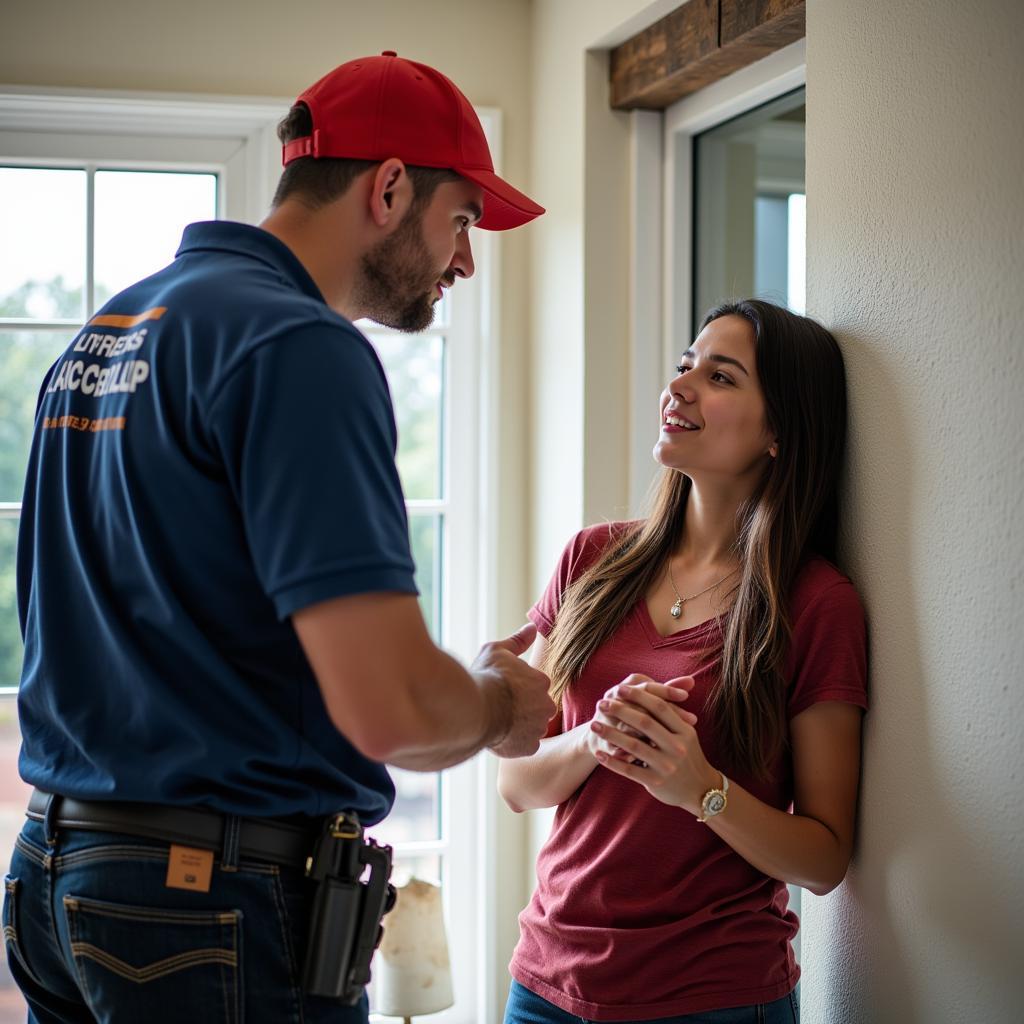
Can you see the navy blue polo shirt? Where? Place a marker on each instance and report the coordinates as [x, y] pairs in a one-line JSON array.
[[214, 451]]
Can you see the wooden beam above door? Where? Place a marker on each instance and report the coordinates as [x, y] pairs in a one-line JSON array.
[[697, 44]]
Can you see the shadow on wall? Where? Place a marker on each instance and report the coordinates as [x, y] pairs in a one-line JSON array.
[[919, 836]]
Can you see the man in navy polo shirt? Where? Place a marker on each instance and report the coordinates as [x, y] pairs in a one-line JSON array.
[[223, 644]]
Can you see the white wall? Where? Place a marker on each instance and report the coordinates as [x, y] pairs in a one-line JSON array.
[[915, 248], [580, 263]]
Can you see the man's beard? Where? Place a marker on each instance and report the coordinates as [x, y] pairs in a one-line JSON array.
[[397, 286]]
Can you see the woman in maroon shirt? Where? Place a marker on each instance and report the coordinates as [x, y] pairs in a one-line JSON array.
[[709, 666]]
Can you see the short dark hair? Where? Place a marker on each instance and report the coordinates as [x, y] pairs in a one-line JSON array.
[[317, 181]]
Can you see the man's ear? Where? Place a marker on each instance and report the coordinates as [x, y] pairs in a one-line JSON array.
[[391, 193]]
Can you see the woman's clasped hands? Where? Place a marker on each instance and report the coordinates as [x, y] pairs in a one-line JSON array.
[[641, 732]]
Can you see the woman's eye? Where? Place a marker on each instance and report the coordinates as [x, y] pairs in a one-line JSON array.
[[722, 378]]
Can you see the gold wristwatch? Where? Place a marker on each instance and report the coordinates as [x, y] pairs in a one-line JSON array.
[[714, 801]]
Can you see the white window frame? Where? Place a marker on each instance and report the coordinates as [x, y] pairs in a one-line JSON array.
[[235, 138], [662, 229]]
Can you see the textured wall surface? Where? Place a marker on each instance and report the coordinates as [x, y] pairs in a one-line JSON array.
[[915, 255], [580, 256]]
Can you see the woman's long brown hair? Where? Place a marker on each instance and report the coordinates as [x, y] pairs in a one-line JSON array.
[[792, 513]]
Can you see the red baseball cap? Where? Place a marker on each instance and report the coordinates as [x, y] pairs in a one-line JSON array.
[[374, 108]]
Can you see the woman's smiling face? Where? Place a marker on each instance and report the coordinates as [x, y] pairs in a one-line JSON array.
[[713, 421]]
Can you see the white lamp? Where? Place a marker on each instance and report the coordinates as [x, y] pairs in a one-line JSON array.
[[413, 971]]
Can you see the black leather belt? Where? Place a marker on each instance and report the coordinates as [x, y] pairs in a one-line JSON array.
[[266, 839]]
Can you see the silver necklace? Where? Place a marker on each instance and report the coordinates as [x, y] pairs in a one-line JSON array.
[[677, 609]]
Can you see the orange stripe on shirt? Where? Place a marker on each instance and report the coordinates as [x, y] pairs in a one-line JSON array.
[[115, 320]]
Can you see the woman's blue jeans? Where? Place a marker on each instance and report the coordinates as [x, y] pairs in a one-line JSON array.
[[525, 1007], [93, 934]]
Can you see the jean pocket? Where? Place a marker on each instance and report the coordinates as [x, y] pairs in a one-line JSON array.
[[146, 963], [12, 887]]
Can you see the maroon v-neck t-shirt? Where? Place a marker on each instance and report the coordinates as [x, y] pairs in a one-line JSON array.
[[640, 911]]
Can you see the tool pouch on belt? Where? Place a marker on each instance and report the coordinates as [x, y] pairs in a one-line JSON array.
[[344, 927]]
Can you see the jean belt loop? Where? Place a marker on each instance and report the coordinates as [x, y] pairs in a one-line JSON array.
[[50, 819], [231, 843]]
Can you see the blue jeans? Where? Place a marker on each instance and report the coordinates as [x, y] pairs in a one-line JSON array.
[[94, 935], [525, 1007]]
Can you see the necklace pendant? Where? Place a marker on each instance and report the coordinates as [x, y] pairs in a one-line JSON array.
[[676, 610]]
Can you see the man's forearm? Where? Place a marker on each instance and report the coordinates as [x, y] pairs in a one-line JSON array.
[[399, 699], [449, 718]]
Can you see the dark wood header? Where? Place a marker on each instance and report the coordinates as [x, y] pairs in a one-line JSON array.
[[697, 44]]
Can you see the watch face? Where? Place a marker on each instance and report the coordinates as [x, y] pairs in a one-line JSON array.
[[714, 803]]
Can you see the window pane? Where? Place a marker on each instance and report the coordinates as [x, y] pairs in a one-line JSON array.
[[13, 792], [747, 240], [10, 634], [427, 868], [25, 356], [13, 800], [415, 369], [42, 243], [443, 310], [425, 539], [140, 216], [416, 816]]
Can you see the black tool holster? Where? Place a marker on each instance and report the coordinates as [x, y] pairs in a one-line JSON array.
[[344, 927]]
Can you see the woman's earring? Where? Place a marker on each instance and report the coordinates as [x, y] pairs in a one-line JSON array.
[[773, 450]]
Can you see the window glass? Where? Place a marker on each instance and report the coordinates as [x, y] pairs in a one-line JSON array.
[[13, 792], [13, 800], [748, 208], [10, 632], [415, 369], [416, 816], [425, 867], [25, 356], [140, 216], [42, 243], [425, 541]]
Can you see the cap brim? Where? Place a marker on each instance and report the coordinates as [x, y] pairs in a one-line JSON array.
[[504, 206]]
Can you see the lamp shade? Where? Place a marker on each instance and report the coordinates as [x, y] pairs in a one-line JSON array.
[[413, 973]]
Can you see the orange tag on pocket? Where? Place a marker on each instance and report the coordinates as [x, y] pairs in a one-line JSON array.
[[188, 868]]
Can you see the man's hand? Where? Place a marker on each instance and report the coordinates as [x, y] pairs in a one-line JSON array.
[[516, 694]]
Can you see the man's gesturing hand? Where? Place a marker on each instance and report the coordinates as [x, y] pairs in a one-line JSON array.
[[518, 704]]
